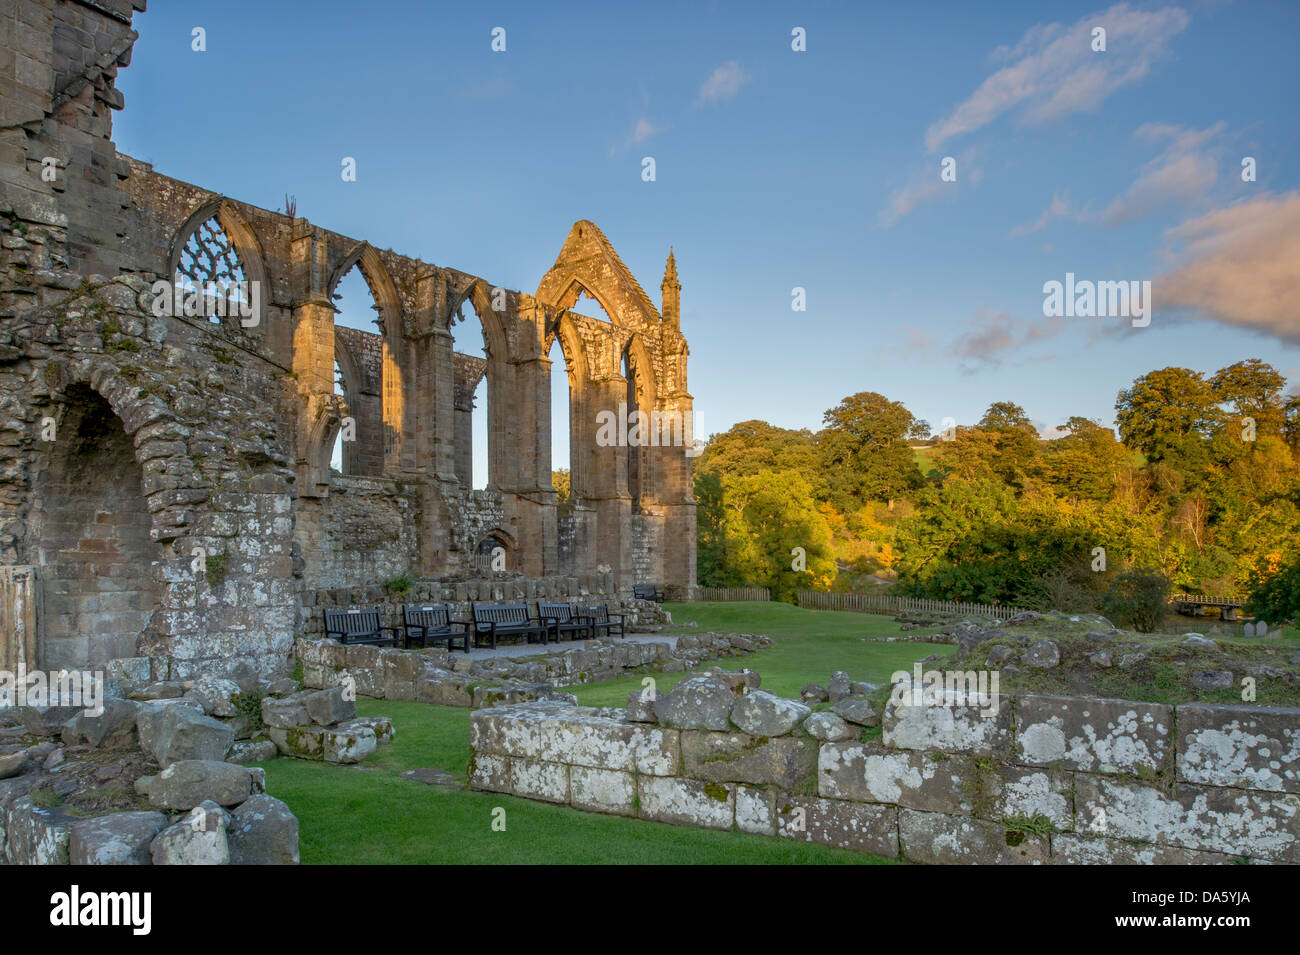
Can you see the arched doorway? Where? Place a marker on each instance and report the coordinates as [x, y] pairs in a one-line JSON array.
[[92, 527]]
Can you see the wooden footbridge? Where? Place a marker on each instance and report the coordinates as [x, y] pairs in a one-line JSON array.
[[1195, 605]]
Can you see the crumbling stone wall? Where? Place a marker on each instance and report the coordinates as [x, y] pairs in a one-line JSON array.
[[232, 419], [1068, 780]]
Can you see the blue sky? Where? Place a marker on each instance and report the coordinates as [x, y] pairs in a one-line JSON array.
[[775, 169]]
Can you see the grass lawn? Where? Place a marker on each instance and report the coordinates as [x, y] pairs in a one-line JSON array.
[[809, 646], [370, 815]]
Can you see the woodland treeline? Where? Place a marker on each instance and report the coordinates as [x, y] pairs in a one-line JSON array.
[[1199, 490]]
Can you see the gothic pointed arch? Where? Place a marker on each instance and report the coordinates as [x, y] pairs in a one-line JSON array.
[[215, 243], [587, 259]]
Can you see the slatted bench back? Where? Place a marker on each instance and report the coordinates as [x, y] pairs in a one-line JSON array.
[[354, 623], [433, 617], [599, 611], [561, 612], [502, 614]]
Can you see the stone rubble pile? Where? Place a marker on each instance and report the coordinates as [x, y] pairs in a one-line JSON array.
[[158, 778]]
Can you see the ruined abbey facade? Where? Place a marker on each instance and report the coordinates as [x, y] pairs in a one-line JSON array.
[[165, 481]]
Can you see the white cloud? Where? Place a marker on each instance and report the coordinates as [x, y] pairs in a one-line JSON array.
[[723, 83], [1054, 71], [1239, 265], [1182, 173], [926, 185], [1058, 208]]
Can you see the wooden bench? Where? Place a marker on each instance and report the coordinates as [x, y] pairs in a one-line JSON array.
[[506, 620], [600, 619], [433, 622], [562, 619], [358, 625], [648, 592]]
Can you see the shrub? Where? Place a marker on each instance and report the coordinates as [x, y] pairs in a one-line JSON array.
[[1138, 598]]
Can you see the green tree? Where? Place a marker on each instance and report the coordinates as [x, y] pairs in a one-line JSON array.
[[768, 516], [1169, 414], [864, 452], [1252, 389], [560, 481], [1275, 590]]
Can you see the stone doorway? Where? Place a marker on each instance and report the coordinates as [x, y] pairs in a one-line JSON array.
[[93, 544]]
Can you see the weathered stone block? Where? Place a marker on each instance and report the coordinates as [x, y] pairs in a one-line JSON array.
[[641, 709], [381, 726], [348, 746], [304, 742], [1093, 735], [263, 831], [951, 727], [1232, 821], [869, 772], [120, 839], [188, 842], [1252, 747], [936, 838], [286, 711], [602, 790], [785, 761], [327, 707], [756, 811], [187, 783], [114, 727], [1075, 849], [560, 732], [686, 802], [697, 703], [760, 713], [844, 825], [185, 734], [529, 778], [36, 835]]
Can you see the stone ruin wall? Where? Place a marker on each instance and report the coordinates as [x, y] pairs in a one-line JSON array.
[[183, 436], [1104, 781]]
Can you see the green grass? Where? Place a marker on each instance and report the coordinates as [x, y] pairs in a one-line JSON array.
[[809, 646], [369, 815]]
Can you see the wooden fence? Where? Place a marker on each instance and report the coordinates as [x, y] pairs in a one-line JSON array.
[[890, 604], [732, 593]]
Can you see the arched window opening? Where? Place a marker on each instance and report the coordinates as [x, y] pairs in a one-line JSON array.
[[209, 267], [561, 459], [357, 447], [336, 458], [480, 432], [633, 447]]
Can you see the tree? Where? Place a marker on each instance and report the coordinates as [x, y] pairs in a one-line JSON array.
[[710, 532], [768, 516], [864, 450], [1275, 590], [1006, 415], [1253, 389], [560, 481], [1169, 413]]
